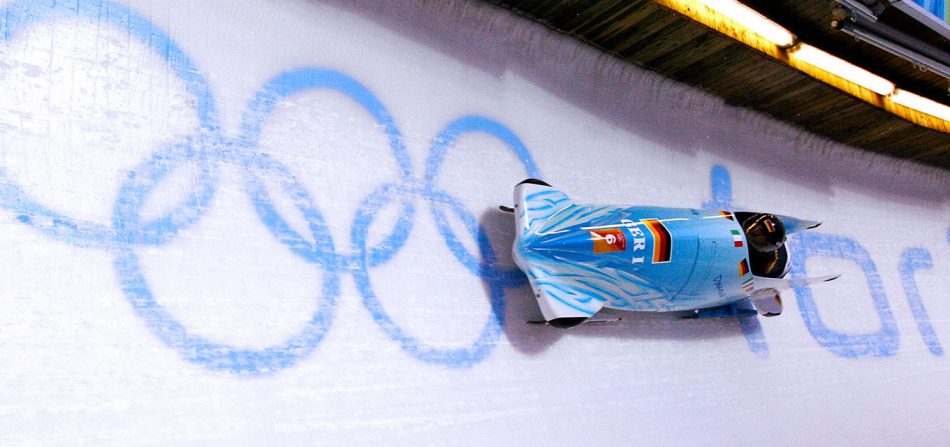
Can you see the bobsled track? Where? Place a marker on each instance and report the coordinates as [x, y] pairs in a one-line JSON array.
[[275, 223]]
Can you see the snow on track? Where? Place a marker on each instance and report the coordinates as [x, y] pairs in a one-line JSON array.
[[263, 223]]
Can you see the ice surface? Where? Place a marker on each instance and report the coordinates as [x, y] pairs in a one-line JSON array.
[[274, 223]]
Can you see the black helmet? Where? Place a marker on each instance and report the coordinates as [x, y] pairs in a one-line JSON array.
[[765, 232]]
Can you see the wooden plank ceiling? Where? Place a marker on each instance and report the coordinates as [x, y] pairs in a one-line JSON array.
[[651, 36]]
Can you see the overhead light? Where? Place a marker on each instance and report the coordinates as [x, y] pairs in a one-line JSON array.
[[841, 68], [752, 20], [747, 26], [928, 106]]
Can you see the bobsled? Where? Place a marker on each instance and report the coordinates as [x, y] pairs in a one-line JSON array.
[[580, 259]]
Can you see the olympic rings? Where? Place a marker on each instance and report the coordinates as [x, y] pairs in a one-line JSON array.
[[299, 80], [512, 277], [491, 331], [20, 17], [210, 148], [199, 349]]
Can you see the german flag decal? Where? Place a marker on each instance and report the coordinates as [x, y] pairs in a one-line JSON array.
[[608, 240], [726, 214], [743, 267], [662, 242]]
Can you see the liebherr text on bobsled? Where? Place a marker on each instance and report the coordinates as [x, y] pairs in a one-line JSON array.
[[580, 259]]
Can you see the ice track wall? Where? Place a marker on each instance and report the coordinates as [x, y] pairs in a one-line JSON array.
[[273, 223]]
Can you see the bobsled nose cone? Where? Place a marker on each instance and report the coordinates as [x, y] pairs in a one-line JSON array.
[[554, 241]]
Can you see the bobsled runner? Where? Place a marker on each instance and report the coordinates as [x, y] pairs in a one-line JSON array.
[[580, 259]]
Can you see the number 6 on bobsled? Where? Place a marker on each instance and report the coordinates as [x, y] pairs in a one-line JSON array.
[[704, 263]]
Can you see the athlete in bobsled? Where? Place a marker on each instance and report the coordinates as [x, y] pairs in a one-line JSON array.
[[703, 263]]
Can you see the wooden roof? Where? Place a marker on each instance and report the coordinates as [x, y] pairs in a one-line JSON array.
[[661, 40]]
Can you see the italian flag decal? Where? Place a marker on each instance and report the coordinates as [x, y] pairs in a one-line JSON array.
[[662, 242], [747, 286], [737, 238]]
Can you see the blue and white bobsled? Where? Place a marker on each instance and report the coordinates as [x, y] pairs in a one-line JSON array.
[[582, 258]]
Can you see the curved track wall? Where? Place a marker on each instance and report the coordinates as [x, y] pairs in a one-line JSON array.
[[274, 222]]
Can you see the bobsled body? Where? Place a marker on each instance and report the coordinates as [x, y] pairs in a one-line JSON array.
[[582, 258]]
